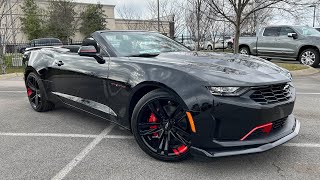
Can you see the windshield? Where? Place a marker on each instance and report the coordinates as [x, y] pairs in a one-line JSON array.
[[307, 31], [141, 43]]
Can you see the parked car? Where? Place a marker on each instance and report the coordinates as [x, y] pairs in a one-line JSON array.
[[220, 44], [43, 42], [175, 102], [284, 42]]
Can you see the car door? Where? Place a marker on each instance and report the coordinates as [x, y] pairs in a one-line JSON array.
[[266, 41], [286, 46], [80, 82]]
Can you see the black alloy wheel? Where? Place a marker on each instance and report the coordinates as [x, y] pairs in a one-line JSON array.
[[35, 92], [161, 127]]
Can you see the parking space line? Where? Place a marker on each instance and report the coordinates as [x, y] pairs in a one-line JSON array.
[[309, 145], [12, 91], [49, 135], [62, 174], [118, 137], [308, 93]]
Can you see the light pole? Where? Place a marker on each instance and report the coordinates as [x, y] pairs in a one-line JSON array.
[[158, 1], [314, 14]]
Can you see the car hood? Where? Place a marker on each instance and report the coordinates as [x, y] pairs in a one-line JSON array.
[[223, 69]]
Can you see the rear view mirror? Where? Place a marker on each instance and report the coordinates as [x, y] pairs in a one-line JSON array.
[[91, 51], [293, 35]]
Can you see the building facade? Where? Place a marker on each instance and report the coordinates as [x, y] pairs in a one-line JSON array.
[[10, 25]]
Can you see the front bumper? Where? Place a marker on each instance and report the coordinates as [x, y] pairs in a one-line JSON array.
[[231, 148]]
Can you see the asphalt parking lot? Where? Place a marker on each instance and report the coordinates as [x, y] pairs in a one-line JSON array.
[[64, 144]]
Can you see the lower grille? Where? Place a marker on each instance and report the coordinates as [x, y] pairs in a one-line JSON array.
[[279, 123], [271, 94]]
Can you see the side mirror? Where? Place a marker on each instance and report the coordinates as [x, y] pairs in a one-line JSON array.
[[91, 51], [293, 35]]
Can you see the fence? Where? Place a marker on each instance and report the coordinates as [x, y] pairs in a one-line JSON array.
[[11, 54]]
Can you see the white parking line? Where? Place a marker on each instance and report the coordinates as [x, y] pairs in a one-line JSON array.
[[49, 135], [309, 145], [308, 93], [62, 174], [13, 91]]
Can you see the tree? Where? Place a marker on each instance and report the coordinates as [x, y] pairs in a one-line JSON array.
[[61, 19], [238, 11], [31, 21], [93, 19], [169, 11]]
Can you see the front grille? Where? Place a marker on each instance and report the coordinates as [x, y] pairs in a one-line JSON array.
[[271, 94]]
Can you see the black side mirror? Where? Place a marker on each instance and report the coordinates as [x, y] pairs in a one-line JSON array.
[[293, 35], [91, 51]]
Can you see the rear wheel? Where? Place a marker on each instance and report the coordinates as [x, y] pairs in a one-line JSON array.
[[161, 128], [36, 94], [309, 57], [244, 50], [209, 47]]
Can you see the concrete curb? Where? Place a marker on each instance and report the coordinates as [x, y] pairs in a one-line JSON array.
[[11, 75], [304, 72]]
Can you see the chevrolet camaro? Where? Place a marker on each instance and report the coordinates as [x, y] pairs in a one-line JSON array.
[[176, 102]]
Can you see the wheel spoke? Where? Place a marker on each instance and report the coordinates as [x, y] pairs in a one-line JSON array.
[[150, 131], [161, 143], [36, 100], [154, 111], [143, 125], [161, 110], [181, 130], [176, 112], [166, 146], [180, 138], [31, 86]]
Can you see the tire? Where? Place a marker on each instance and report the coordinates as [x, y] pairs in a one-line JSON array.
[[244, 50], [151, 131], [310, 57], [209, 47], [230, 45], [36, 94]]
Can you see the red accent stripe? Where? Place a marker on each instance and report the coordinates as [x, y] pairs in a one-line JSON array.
[[265, 128]]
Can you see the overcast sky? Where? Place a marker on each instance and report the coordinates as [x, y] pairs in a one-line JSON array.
[[141, 5]]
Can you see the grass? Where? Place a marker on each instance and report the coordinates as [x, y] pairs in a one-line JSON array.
[[15, 70], [292, 67]]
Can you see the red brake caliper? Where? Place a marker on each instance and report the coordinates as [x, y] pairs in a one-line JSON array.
[[153, 119], [180, 150], [29, 91]]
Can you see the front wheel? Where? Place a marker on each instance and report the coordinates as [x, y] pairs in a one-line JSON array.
[[161, 128], [309, 57]]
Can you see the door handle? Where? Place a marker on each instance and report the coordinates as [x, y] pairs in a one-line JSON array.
[[59, 63]]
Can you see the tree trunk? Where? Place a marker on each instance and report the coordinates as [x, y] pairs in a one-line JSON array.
[[236, 39]]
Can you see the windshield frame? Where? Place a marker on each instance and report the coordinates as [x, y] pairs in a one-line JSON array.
[[299, 28], [119, 54]]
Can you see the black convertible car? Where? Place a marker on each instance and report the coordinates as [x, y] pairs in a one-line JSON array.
[[175, 102]]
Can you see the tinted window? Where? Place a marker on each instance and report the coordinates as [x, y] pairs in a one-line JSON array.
[[55, 41], [272, 31], [285, 30]]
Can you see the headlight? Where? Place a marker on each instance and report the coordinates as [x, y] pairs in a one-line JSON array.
[[227, 91], [289, 75]]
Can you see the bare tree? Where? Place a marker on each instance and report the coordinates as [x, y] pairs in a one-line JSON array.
[[169, 11], [196, 20], [238, 11], [7, 28]]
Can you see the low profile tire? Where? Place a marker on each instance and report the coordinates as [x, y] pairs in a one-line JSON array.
[[244, 50], [36, 94], [309, 57], [160, 127], [209, 47]]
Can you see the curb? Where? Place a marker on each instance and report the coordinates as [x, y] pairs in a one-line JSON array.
[[304, 72], [11, 75]]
